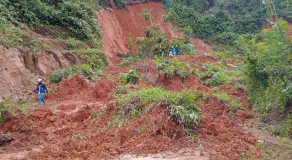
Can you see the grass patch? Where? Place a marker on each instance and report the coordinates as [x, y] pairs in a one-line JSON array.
[[217, 74], [231, 103], [182, 106]]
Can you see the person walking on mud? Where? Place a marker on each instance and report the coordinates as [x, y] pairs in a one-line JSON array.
[[41, 89]]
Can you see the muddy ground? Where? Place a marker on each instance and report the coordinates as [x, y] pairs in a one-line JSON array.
[[78, 121]]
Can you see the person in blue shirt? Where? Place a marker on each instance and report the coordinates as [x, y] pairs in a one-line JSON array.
[[177, 50], [41, 89], [172, 51]]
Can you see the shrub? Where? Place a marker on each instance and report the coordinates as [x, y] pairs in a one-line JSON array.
[[74, 44], [128, 60], [5, 110], [171, 67], [85, 70], [284, 129], [11, 35], [227, 38], [131, 77], [217, 74], [56, 76], [268, 69]]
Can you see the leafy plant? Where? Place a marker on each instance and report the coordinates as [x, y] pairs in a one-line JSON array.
[[171, 67], [269, 69], [85, 70], [6, 107], [217, 74], [74, 44], [130, 77], [147, 15], [209, 19], [56, 76]]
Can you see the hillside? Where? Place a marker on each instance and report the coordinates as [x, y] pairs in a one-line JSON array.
[[118, 24], [110, 118]]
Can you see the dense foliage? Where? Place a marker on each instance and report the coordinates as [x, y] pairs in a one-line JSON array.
[[284, 8], [210, 19], [269, 68], [77, 16]]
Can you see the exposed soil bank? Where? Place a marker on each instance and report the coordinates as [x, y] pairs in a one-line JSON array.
[[117, 24]]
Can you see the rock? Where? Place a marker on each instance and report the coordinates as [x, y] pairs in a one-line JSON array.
[[4, 139], [157, 155]]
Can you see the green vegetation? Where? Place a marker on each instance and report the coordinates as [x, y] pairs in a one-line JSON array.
[[269, 69], [8, 107], [72, 22], [75, 15], [182, 106], [94, 64], [217, 74], [217, 21], [4, 109], [172, 67], [156, 43], [130, 77], [284, 129], [129, 60], [231, 103]]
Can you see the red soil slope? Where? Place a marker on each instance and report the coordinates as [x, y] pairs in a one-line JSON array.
[[117, 24], [69, 128], [79, 120]]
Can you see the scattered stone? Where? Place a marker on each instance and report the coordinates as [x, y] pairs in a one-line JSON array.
[[261, 141], [158, 155]]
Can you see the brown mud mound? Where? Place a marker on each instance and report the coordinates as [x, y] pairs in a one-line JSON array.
[[102, 89], [177, 83], [70, 130], [237, 93], [84, 124], [224, 135], [68, 87], [79, 88]]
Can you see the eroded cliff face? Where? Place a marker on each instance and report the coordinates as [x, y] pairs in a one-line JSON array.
[[19, 69], [117, 24]]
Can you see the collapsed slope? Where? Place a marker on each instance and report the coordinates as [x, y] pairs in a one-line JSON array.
[[79, 120]]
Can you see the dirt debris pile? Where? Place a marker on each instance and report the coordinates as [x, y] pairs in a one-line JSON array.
[[80, 119]]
